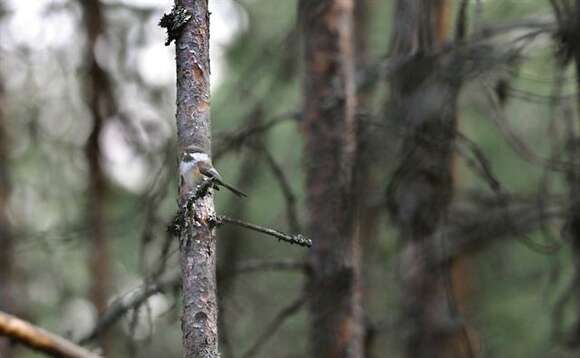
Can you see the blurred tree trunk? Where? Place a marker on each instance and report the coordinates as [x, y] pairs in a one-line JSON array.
[[574, 177], [7, 298], [424, 100], [367, 212], [330, 132], [100, 102], [197, 241]]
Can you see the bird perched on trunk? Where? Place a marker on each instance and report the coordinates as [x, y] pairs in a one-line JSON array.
[[195, 166]]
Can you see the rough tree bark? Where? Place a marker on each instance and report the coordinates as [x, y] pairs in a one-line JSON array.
[[330, 133], [100, 102], [197, 240], [424, 98]]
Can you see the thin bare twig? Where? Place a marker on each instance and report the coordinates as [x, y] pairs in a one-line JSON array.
[[233, 140], [516, 143], [129, 302], [276, 323], [138, 296], [483, 166], [287, 191], [486, 224], [297, 239]]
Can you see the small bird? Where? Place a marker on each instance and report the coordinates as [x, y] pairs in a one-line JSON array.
[[195, 166]]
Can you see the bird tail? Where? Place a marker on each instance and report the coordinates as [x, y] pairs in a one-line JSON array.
[[233, 190]]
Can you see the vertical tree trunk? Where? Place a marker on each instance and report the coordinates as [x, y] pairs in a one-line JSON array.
[[366, 212], [7, 298], [424, 97], [99, 98], [331, 143], [197, 241], [574, 180]]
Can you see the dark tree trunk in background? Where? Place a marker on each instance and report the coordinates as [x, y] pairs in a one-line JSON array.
[[361, 21], [197, 242], [7, 298], [367, 212], [574, 177], [100, 103], [424, 99], [331, 142]]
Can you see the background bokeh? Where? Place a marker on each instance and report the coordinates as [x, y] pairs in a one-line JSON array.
[[256, 76]]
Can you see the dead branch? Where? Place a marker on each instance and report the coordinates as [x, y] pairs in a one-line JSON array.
[[273, 327], [480, 227], [39, 339], [297, 239], [133, 300], [124, 304], [231, 141], [517, 144], [286, 189]]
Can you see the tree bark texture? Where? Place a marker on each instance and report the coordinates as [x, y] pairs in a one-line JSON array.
[[101, 106], [424, 100], [197, 240], [331, 141]]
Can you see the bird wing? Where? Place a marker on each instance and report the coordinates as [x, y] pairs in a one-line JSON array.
[[210, 172]]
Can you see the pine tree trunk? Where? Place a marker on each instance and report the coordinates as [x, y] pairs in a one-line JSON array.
[[100, 103], [574, 178], [365, 184], [197, 242], [424, 102], [331, 142]]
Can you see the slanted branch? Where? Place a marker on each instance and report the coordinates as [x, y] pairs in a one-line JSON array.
[[39, 339], [120, 307], [297, 239]]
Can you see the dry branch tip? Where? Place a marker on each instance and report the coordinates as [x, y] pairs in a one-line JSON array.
[[296, 239]]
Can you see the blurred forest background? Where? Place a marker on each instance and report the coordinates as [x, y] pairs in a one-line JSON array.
[[88, 177]]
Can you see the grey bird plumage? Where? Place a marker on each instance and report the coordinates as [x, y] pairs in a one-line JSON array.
[[195, 165]]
